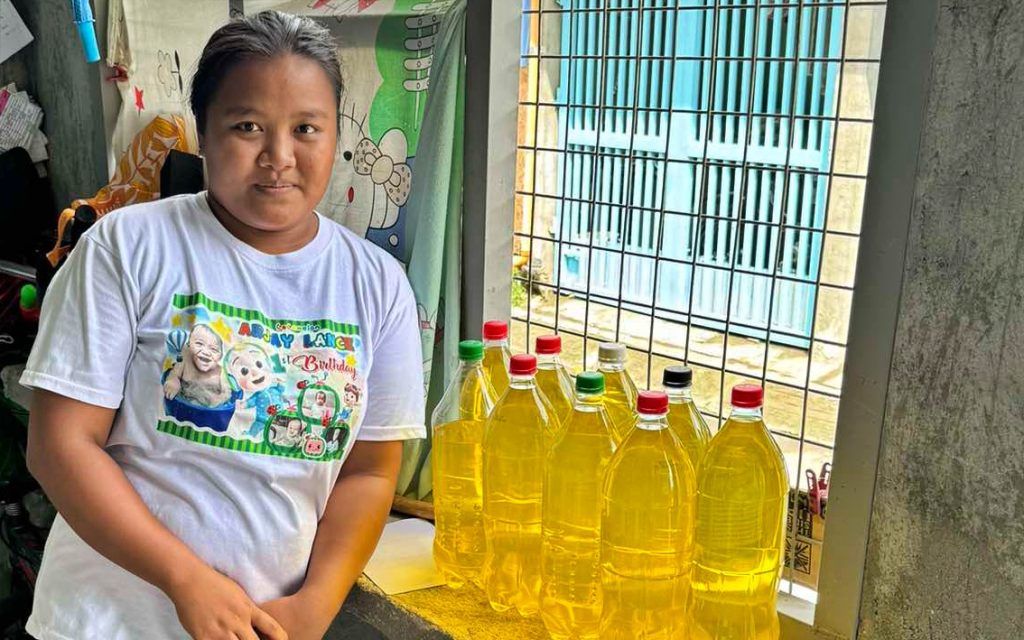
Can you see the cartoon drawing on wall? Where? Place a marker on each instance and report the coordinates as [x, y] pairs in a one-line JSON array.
[[370, 183], [340, 8], [168, 73]]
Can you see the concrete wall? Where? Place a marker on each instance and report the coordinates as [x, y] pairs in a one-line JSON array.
[[53, 70], [946, 549]]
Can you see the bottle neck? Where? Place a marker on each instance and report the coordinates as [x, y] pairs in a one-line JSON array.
[[589, 401], [516, 381], [490, 344], [651, 422], [743, 413], [469, 365], [611, 367], [548, 360], [679, 395]]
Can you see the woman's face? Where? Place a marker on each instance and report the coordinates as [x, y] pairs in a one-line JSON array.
[[271, 129]]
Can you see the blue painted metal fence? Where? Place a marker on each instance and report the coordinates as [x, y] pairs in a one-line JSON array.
[[655, 118]]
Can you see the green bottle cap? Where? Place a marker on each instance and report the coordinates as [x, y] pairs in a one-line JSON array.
[[29, 297], [471, 350], [590, 382]]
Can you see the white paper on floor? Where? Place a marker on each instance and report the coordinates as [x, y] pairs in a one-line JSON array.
[[404, 559]]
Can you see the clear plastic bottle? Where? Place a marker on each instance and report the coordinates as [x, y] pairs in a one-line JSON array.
[[741, 510], [647, 519], [496, 355], [684, 418], [552, 377], [514, 451], [457, 466], [619, 390], [570, 603]]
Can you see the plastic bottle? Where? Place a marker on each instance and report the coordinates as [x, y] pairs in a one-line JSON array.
[[741, 508], [552, 378], [571, 552], [28, 303], [496, 355], [457, 466], [514, 451], [647, 530], [619, 391], [684, 418]]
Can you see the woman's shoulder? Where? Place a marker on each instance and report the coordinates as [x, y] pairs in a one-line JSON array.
[[364, 253], [135, 225]]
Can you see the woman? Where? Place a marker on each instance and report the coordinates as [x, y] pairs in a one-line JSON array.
[[176, 527]]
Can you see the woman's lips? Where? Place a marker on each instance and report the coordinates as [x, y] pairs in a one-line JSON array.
[[272, 188]]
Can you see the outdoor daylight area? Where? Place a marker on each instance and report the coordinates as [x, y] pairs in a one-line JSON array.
[[690, 182]]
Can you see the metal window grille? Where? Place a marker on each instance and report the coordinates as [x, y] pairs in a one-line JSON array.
[[690, 180]]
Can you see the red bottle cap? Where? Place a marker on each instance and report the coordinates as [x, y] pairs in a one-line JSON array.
[[523, 364], [495, 330], [547, 345], [652, 403], [747, 396]]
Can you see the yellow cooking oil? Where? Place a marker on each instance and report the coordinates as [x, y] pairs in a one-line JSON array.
[[619, 390], [741, 508], [684, 418], [570, 604], [647, 520], [514, 450], [553, 378], [496, 354], [456, 456]]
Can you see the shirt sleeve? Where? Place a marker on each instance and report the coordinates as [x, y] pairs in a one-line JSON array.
[[394, 388], [87, 329]]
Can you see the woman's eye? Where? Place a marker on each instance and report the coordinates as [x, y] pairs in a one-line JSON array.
[[245, 371], [306, 128], [247, 127]]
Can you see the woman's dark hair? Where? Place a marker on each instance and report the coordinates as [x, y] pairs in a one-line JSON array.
[[264, 35]]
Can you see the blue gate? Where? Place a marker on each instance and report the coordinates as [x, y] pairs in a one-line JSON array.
[[635, 125]]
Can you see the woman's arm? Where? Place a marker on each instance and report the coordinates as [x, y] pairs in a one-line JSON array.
[[345, 538], [66, 454]]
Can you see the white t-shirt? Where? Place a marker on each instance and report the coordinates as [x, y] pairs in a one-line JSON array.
[[242, 380]]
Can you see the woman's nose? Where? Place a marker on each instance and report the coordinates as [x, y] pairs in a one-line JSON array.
[[278, 153]]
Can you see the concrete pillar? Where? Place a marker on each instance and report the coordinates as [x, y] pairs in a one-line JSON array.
[[946, 547]]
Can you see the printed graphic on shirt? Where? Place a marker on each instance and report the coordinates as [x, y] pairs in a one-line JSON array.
[[236, 379]]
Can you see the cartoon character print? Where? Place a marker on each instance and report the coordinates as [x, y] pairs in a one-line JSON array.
[[235, 379], [349, 401], [198, 377], [251, 370]]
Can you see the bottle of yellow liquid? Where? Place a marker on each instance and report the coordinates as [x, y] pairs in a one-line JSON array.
[[514, 451], [741, 508], [496, 355], [570, 602], [456, 460], [647, 516], [619, 390], [552, 377], [684, 418]]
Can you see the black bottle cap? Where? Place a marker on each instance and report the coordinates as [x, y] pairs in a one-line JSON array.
[[677, 376]]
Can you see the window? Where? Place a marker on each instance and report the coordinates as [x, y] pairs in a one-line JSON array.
[[690, 181]]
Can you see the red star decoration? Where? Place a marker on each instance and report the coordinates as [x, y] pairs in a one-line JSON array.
[[272, 410], [138, 100], [366, 4]]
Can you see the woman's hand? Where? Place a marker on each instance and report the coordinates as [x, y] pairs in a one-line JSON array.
[[300, 615], [211, 606]]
